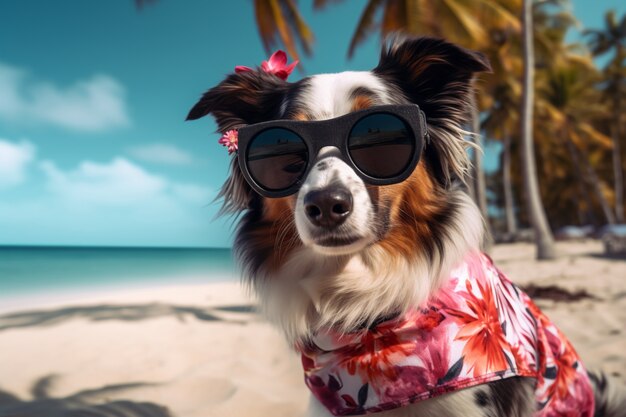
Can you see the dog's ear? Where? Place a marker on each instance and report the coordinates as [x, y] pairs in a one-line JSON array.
[[432, 73], [242, 98], [437, 76]]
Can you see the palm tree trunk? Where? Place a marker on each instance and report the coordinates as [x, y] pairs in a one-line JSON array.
[[479, 188], [509, 207], [617, 165], [478, 177], [543, 235], [594, 180]]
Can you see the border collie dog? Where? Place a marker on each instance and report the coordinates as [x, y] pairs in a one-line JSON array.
[[356, 235]]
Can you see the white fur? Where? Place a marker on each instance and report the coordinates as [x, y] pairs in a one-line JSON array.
[[360, 218], [314, 290], [329, 95]]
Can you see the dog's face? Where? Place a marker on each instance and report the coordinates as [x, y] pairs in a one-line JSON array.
[[363, 245], [335, 212]]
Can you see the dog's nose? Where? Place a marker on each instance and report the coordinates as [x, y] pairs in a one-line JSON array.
[[328, 207]]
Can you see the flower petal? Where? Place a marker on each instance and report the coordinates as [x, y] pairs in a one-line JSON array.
[[282, 74], [278, 59], [242, 68], [230, 139], [289, 68]]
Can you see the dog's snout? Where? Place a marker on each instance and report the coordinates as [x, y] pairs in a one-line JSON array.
[[328, 207]]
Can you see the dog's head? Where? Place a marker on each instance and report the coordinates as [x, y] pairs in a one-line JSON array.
[[335, 215]]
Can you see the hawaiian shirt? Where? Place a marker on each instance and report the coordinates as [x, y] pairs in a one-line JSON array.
[[479, 327]]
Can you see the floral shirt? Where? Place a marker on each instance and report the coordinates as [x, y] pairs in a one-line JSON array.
[[479, 327]]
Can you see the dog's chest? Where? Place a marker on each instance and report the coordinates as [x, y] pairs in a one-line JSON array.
[[478, 328]]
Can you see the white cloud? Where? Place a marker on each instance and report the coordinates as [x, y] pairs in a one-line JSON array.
[[14, 158], [119, 183], [162, 153], [117, 202], [94, 104], [193, 193]]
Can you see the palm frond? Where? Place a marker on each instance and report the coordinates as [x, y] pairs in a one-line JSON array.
[[299, 26], [366, 25], [321, 4]]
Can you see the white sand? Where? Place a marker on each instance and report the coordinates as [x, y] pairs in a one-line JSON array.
[[197, 350]]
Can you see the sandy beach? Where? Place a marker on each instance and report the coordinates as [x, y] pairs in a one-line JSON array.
[[201, 351]]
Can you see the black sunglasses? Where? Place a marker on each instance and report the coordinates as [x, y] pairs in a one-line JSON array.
[[382, 144]]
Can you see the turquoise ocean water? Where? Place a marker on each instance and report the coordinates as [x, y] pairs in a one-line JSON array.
[[45, 270]]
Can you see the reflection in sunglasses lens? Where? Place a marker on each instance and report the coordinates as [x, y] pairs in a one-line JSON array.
[[277, 158], [381, 145]]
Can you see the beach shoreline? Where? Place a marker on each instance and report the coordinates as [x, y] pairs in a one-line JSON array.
[[133, 290], [200, 350]]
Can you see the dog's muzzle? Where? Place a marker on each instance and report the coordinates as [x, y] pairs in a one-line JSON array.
[[328, 207], [334, 212]]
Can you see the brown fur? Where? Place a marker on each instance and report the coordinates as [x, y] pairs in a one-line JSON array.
[[302, 116], [278, 230], [362, 102], [412, 206]]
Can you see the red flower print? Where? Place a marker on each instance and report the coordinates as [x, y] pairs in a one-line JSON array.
[[376, 355], [429, 320], [565, 362], [478, 327], [481, 329]]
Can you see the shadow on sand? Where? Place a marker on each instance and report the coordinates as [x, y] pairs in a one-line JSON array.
[[81, 404], [134, 312], [556, 293]]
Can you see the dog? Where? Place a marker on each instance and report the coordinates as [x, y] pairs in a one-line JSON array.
[[356, 234]]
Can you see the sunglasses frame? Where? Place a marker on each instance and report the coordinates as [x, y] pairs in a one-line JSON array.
[[317, 134]]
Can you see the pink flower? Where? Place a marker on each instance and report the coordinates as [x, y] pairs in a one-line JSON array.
[[277, 65], [242, 68], [230, 139]]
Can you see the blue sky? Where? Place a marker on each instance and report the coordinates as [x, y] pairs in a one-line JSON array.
[[93, 94]]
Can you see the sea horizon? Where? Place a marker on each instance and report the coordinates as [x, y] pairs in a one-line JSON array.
[[27, 270], [89, 246]]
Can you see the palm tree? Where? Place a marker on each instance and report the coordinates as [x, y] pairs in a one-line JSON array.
[[601, 41], [504, 88], [568, 106], [282, 19], [543, 235]]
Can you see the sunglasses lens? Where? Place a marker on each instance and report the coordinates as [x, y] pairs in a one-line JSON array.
[[381, 145], [277, 158]]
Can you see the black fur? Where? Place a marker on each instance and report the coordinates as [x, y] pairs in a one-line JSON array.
[[241, 99], [432, 73], [511, 397], [610, 400]]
